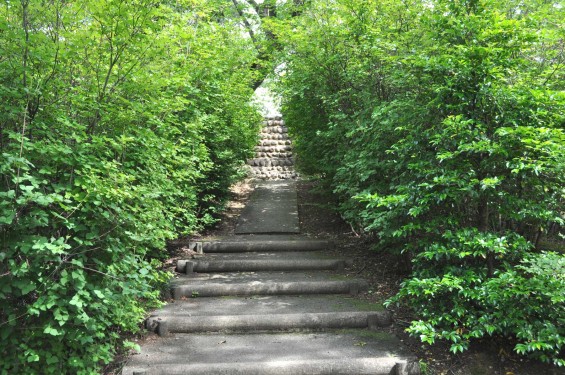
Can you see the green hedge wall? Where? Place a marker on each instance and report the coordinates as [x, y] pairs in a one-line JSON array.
[[439, 127], [123, 124]]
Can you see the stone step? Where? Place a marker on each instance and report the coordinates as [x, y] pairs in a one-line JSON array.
[[312, 259], [257, 244], [354, 352], [164, 324], [271, 162], [276, 168], [277, 148], [275, 129], [191, 287], [273, 122], [247, 265], [283, 155], [358, 366], [266, 136], [264, 305], [272, 142], [273, 174]]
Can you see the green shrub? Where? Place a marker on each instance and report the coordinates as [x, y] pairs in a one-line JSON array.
[[121, 128], [439, 128], [525, 302]]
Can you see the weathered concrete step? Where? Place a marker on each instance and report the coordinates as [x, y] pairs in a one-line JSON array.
[[273, 168], [164, 324], [255, 278], [261, 173], [245, 265], [216, 289], [349, 352], [358, 366], [275, 136], [257, 305], [267, 255], [282, 154], [264, 256], [228, 246]]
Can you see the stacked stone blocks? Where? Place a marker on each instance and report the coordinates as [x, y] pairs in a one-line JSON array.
[[273, 155]]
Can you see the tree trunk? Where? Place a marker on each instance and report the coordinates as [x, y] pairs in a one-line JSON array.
[[482, 225]]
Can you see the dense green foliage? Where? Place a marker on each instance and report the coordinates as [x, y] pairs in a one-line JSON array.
[[440, 127], [123, 123]]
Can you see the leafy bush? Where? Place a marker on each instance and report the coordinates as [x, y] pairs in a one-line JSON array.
[[525, 301], [122, 125], [439, 127]]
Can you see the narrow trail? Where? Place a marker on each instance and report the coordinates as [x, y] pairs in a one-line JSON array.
[[269, 300]]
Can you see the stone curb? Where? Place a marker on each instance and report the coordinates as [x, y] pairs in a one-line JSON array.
[[257, 246], [246, 265], [268, 322], [360, 366], [276, 288]]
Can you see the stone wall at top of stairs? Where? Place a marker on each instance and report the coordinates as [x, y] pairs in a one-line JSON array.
[[273, 159]]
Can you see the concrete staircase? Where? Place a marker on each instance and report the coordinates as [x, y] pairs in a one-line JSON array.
[[274, 159], [269, 304], [269, 301]]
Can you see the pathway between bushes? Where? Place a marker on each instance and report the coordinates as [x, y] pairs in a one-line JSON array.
[[269, 300]]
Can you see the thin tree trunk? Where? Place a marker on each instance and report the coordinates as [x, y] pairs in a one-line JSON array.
[[483, 219]]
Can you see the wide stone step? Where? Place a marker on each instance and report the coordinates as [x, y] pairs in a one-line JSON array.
[[268, 174], [315, 259], [257, 245], [275, 170], [358, 366], [257, 305], [246, 265], [164, 324], [275, 136], [216, 289], [354, 352]]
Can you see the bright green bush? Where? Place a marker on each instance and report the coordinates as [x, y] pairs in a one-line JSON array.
[[439, 127], [122, 126], [525, 301]]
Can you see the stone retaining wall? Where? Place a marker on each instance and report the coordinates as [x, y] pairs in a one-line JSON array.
[[273, 155]]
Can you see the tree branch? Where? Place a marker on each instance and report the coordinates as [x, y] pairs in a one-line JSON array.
[[246, 23], [254, 4]]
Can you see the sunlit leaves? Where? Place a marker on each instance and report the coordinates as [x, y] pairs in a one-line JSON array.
[[132, 122], [438, 131]]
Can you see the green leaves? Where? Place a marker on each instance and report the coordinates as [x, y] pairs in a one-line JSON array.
[[435, 127], [124, 128]]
